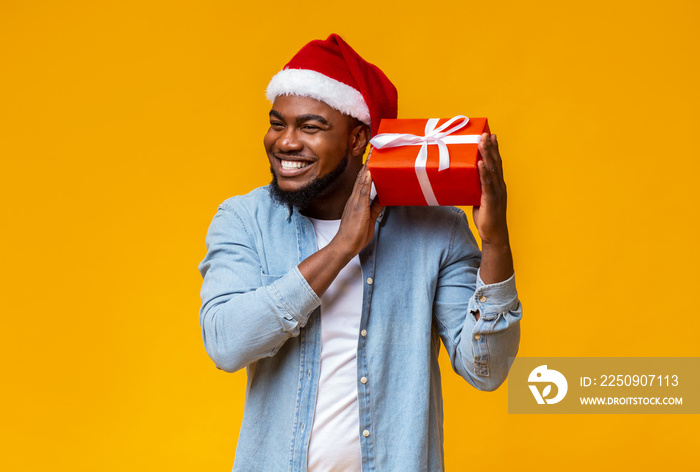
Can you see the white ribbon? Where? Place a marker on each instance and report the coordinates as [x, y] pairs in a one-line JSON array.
[[440, 136]]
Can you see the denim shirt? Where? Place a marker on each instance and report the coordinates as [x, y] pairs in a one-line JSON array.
[[421, 286]]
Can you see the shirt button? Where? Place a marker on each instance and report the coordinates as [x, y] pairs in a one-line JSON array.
[[365, 433], [363, 380], [363, 333], [477, 337], [483, 298], [369, 280]]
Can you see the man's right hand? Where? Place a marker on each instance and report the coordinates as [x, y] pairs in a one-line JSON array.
[[355, 232], [359, 216]]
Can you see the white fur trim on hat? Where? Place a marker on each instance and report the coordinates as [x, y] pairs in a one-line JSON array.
[[309, 83]]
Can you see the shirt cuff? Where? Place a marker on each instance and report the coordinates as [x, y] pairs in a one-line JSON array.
[[296, 297], [492, 299]]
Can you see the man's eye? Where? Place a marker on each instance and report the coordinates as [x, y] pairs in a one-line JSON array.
[[310, 128], [276, 124]]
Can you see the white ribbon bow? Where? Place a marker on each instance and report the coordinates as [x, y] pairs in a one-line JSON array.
[[440, 136]]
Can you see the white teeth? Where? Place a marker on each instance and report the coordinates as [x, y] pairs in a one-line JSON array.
[[293, 164]]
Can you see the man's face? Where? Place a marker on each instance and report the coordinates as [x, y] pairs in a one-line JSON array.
[[307, 146]]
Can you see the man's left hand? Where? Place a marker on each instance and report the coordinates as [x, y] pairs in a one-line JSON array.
[[490, 216]]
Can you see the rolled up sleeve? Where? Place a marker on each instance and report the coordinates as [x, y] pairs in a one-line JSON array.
[[479, 348], [246, 314]]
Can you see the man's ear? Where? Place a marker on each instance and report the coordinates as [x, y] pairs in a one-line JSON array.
[[359, 138]]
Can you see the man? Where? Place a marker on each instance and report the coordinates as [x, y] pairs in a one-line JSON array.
[[337, 306]]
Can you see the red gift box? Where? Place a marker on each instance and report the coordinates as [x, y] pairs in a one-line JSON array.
[[427, 162]]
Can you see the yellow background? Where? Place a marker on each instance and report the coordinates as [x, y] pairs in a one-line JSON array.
[[124, 124]]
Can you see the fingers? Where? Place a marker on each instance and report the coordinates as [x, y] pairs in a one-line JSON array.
[[374, 207], [486, 164], [359, 215], [488, 148], [360, 196], [491, 165], [496, 153], [364, 180]]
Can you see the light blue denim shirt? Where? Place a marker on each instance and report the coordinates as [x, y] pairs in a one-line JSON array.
[[421, 285]]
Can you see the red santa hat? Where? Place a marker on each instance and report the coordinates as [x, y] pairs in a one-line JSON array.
[[332, 72]]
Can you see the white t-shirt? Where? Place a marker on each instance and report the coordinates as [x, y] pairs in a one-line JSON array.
[[335, 437]]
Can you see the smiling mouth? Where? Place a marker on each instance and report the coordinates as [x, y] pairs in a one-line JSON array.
[[291, 165], [293, 162]]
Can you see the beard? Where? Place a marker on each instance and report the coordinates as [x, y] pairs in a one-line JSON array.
[[301, 198]]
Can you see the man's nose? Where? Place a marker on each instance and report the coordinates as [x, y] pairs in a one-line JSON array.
[[288, 141]]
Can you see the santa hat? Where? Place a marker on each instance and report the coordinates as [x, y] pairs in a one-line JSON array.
[[332, 72]]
